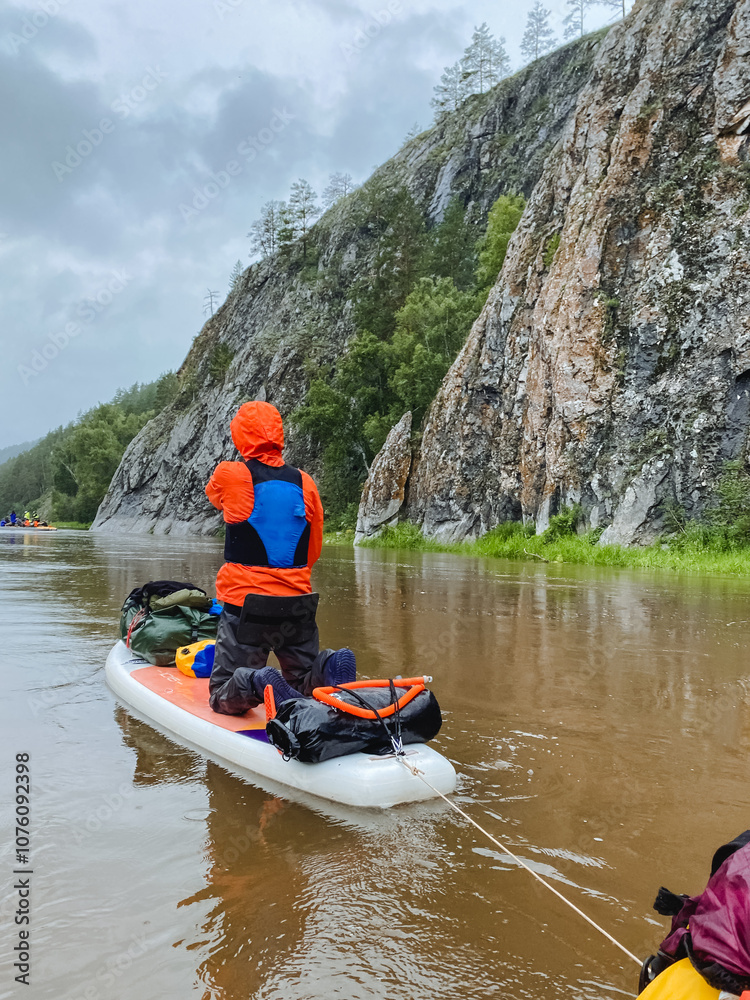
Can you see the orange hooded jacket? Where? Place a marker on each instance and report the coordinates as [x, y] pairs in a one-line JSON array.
[[257, 432]]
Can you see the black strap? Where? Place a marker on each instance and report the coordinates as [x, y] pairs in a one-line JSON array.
[[371, 708], [398, 746], [728, 849], [667, 903]]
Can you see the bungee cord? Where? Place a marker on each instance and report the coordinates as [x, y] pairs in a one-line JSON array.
[[418, 774]]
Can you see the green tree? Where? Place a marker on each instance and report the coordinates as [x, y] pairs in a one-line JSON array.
[[219, 361], [452, 90], [167, 387], [400, 258], [236, 276], [339, 186], [71, 468], [618, 5], [538, 37], [377, 379], [88, 457], [575, 19], [210, 302], [485, 61], [453, 249], [431, 328], [504, 216], [303, 210], [411, 319], [265, 231]]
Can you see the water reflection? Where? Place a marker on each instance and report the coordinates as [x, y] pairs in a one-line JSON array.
[[598, 721]]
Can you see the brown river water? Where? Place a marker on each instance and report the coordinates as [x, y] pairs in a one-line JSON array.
[[598, 720]]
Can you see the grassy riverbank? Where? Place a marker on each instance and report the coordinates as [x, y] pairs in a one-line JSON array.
[[692, 550]]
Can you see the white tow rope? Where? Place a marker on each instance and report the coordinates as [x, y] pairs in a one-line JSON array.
[[417, 773]]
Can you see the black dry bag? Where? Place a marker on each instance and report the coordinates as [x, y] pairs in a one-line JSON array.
[[310, 730]]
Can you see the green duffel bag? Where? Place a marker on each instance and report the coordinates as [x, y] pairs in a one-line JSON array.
[[160, 617]]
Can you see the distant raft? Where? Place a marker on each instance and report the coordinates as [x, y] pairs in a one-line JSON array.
[[178, 704], [28, 527]]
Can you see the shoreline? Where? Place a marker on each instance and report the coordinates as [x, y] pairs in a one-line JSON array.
[[512, 542]]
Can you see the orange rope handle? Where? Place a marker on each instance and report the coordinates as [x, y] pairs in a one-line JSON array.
[[135, 622], [325, 694]]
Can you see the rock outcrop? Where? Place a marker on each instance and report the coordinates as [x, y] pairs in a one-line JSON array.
[[385, 490], [611, 364], [284, 320]]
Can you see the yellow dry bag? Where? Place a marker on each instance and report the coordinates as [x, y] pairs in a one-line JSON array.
[[197, 659], [679, 982]]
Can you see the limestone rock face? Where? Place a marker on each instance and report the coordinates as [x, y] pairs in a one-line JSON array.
[[611, 364], [282, 322], [385, 490]]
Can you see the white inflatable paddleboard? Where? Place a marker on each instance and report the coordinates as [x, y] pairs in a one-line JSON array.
[[179, 704]]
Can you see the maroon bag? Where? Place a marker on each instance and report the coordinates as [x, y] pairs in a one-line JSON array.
[[713, 928]]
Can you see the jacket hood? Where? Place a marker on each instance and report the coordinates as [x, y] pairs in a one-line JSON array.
[[257, 432]]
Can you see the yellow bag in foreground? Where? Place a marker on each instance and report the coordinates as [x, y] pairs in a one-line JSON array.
[[679, 982], [197, 659]]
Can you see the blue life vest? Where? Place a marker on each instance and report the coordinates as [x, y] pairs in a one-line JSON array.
[[277, 532]]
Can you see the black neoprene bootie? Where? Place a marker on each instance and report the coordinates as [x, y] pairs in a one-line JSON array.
[[281, 690], [340, 668]]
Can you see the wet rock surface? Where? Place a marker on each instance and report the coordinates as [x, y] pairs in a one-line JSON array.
[[385, 490], [611, 364]]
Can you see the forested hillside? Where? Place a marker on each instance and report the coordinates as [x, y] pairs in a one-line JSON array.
[[11, 450], [66, 474]]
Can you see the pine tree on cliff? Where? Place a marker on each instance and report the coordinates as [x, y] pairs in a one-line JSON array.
[[485, 60], [264, 232], [618, 5], [303, 211], [574, 22], [453, 241], [538, 37], [339, 186], [452, 90], [235, 276], [210, 302]]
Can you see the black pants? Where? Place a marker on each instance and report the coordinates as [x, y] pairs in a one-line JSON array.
[[245, 638]]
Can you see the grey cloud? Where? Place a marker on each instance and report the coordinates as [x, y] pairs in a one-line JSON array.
[[119, 208]]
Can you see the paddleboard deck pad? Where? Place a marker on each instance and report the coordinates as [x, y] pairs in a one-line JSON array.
[[179, 704]]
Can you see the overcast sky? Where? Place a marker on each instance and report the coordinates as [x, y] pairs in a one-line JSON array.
[[113, 115]]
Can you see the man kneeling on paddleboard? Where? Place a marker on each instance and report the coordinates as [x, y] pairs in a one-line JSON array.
[[274, 535]]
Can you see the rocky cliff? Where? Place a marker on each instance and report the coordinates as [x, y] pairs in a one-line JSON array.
[[282, 320], [611, 364]]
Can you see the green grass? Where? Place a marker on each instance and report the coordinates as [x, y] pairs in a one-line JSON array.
[[75, 525], [338, 537], [685, 553]]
